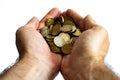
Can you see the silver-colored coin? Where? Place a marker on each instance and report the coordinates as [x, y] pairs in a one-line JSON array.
[[45, 31], [58, 41]]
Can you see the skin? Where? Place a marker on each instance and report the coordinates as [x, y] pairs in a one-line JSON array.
[[86, 61], [37, 62], [35, 56]]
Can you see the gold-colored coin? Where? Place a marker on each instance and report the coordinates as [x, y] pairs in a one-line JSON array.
[[68, 22], [66, 28], [67, 18], [73, 29], [51, 27], [60, 34], [56, 29], [50, 21], [77, 32], [65, 36], [54, 48], [50, 38], [66, 49], [62, 19]]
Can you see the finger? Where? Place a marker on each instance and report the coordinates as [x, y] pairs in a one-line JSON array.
[[64, 13], [33, 23], [51, 14], [76, 17], [88, 23], [92, 41]]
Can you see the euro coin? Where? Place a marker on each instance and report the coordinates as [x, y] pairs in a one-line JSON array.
[[65, 36], [50, 21], [54, 48], [45, 31], [77, 32], [66, 49], [56, 29], [58, 41], [60, 34]]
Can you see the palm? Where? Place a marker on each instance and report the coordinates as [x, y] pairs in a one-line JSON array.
[[92, 43], [30, 42]]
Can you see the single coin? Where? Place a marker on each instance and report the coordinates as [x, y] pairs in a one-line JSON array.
[[66, 28], [73, 39], [73, 29], [66, 49], [65, 36], [51, 27], [45, 31], [54, 48], [68, 22], [58, 41], [62, 19], [77, 32], [49, 21], [50, 38], [56, 29], [67, 18]]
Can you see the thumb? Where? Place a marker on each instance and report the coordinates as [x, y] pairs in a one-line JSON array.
[[33, 23]]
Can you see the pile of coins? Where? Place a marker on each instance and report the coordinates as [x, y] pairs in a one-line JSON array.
[[60, 34]]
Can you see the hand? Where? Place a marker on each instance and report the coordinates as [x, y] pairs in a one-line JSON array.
[[31, 45], [91, 47]]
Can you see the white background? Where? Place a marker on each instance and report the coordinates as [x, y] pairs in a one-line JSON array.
[[15, 13]]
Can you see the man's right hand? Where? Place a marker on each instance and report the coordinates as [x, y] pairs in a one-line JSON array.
[[91, 47]]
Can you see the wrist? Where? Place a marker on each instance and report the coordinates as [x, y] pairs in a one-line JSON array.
[[41, 65], [93, 70], [36, 69], [83, 69]]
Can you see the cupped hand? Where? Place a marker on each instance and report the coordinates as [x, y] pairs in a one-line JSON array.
[[31, 45], [92, 45]]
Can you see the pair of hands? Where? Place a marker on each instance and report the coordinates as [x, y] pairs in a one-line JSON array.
[[92, 45]]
